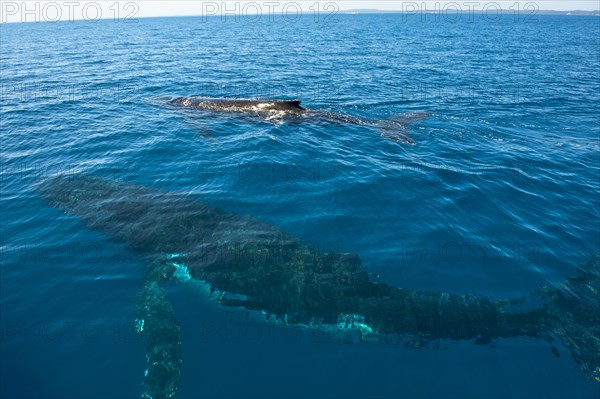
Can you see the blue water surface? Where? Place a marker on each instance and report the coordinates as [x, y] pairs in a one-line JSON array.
[[499, 196]]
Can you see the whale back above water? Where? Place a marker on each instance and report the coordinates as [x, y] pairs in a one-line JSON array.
[[241, 105], [394, 128]]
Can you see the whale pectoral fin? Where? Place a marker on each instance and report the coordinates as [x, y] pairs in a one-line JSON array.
[[396, 127], [398, 134], [157, 323], [200, 128], [204, 132], [410, 118]]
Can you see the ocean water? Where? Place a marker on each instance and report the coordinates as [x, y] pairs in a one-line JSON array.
[[500, 195]]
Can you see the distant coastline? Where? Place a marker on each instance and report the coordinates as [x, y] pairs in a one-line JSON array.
[[595, 13], [492, 13]]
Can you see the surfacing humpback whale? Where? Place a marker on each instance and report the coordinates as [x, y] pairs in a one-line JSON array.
[[395, 128], [256, 266]]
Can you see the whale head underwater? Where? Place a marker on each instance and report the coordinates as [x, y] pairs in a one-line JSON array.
[[394, 128], [255, 266]]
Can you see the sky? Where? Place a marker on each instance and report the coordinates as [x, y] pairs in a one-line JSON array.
[[30, 11]]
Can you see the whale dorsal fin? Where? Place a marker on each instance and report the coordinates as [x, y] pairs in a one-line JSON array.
[[294, 103]]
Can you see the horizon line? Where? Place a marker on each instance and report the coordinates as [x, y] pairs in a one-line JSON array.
[[358, 11]]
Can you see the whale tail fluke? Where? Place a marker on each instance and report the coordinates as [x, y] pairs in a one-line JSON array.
[[396, 127]]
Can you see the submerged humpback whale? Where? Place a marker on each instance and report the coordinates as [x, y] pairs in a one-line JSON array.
[[395, 128], [256, 266]]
